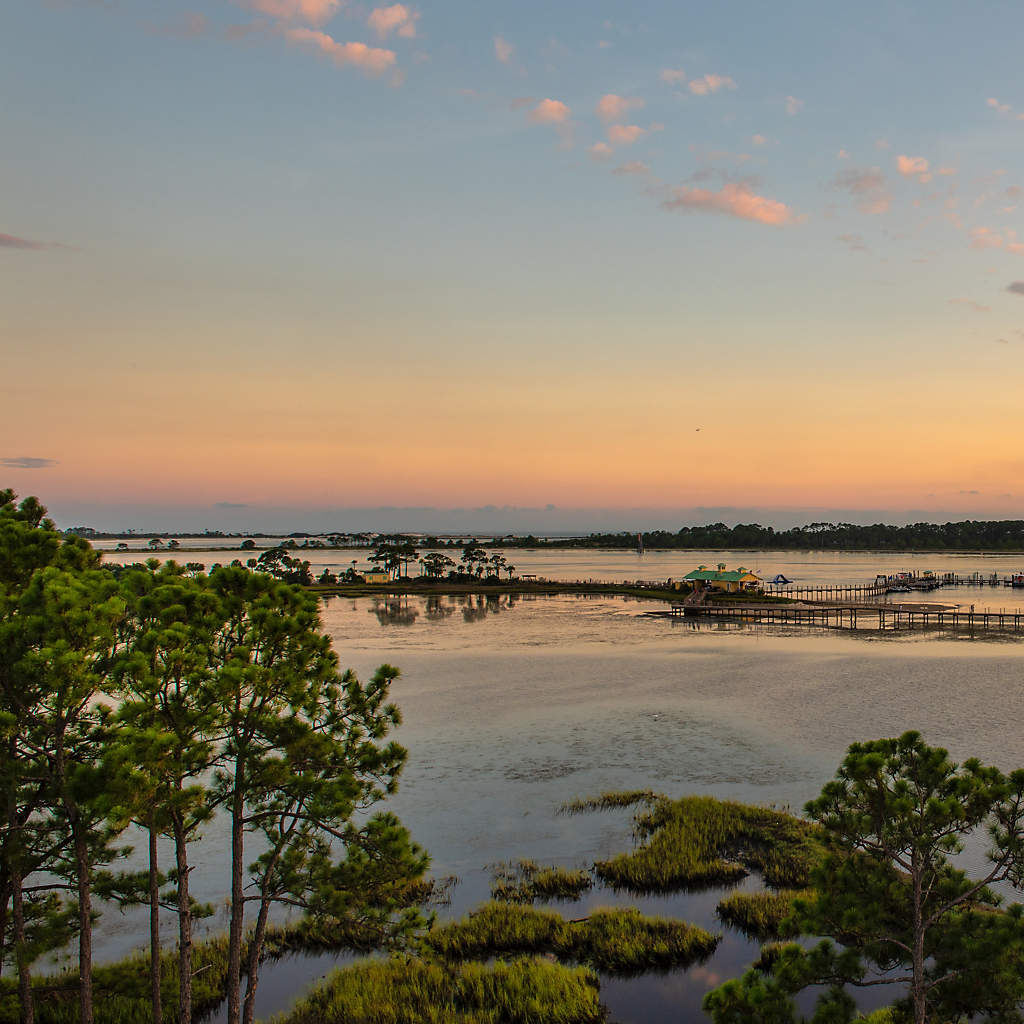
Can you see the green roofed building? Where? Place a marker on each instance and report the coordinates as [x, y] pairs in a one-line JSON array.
[[730, 581]]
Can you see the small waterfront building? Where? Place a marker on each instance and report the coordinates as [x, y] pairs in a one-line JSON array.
[[375, 575], [729, 581]]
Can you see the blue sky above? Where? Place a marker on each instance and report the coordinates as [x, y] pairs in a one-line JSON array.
[[455, 255]]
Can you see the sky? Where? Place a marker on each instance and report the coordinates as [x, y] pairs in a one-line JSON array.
[[315, 264]]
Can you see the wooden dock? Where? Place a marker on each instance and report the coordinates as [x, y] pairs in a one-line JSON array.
[[856, 617]]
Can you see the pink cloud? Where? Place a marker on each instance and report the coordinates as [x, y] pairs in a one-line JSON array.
[[986, 238], [367, 58], [549, 112], [633, 167], [672, 76], [625, 134], [946, 171], [914, 167], [601, 151], [793, 106], [711, 83], [758, 140], [503, 50], [734, 199], [316, 12], [396, 18], [1002, 108], [612, 107]]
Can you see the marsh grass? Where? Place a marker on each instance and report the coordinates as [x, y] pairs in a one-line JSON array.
[[610, 801], [526, 881], [760, 915], [699, 842], [614, 941], [122, 992], [409, 991]]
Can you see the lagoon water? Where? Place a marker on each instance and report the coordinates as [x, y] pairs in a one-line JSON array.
[[513, 706]]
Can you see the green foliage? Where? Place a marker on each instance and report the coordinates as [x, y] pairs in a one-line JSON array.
[[611, 940], [895, 814], [698, 842], [1001, 535], [414, 992], [525, 881]]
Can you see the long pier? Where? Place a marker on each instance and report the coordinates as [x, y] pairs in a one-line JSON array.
[[853, 617]]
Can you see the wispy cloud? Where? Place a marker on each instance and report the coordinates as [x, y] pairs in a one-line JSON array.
[[987, 238], [27, 462], [601, 151], [1003, 108], [710, 83], [370, 59], [187, 25], [793, 106], [1017, 287], [314, 12], [733, 199], [759, 140], [633, 167], [503, 50], [976, 307], [625, 134], [611, 107], [914, 167], [867, 186], [672, 76], [396, 18], [853, 241], [29, 244]]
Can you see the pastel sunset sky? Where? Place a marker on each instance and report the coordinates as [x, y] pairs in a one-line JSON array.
[[266, 261]]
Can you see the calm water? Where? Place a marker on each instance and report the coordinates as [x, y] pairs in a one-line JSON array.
[[514, 706]]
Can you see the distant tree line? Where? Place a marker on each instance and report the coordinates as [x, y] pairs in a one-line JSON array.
[[145, 701], [971, 535]]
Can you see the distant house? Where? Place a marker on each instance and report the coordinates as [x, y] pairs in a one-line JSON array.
[[375, 575], [729, 581]]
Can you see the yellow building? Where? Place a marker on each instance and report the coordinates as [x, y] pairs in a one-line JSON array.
[[729, 581]]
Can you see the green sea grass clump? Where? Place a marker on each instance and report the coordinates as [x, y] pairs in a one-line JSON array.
[[526, 881], [614, 941], [698, 842], [410, 991], [761, 915], [611, 800]]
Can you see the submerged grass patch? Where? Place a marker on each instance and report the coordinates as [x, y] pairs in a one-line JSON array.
[[697, 842], [611, 800], [615, 941], [526, 881], [760, 915], [409, 991]]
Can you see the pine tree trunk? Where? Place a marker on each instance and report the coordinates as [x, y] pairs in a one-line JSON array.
[[184, 925], [918, 993], [84, 923], [255, 955], [25, 1001], [237, 896], [154, 922]]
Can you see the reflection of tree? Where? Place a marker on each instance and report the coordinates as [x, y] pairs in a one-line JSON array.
[[479, 606], [436, 610], [394, 611]]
